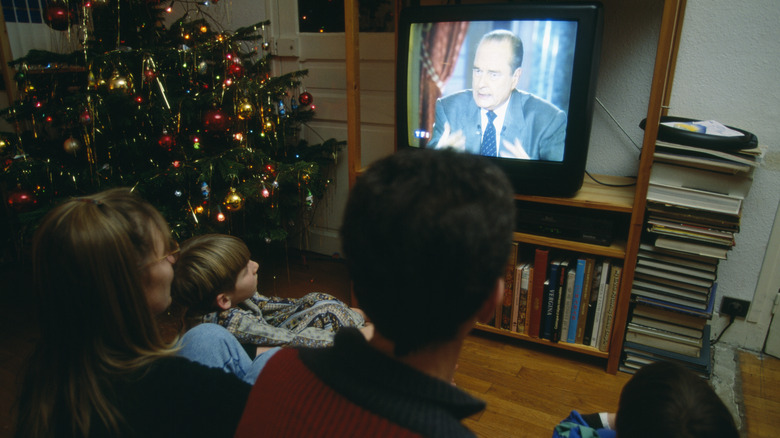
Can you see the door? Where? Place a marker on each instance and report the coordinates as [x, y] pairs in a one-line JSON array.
[[323, 55]]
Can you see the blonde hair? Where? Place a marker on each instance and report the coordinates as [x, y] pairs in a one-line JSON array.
[[208, 265], [94, 319]]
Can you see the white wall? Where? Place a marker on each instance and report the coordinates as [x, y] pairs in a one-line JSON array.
[[728, 69]]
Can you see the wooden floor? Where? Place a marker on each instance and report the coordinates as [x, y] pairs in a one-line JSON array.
[[528, 388]]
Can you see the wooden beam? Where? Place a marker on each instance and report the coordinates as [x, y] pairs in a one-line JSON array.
[[351, 39]]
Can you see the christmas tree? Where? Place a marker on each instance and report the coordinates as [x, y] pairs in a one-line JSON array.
[[187, 114]]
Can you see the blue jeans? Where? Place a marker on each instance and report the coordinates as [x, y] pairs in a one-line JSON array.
[[214, 346]]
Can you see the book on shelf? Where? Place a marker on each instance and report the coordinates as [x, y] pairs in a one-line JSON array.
[[688, 246], [682, 308], [750, 158], [662, 343], [537, 292], [609, 312], [666, 326], [670, 298], [684, 278], [516, 297], [649, 252], [528, 299], [695, 199], [576, 300], [587, 287], [593, 304], [678, 266], [690, 231], [678, 318], [705, 163], [509, 285], [670, 287], [566, 302], [557, 279], [664, 334], [736, 185], [601, 300], [726, 222], [702, 364]]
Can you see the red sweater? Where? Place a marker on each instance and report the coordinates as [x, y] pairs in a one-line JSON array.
[[351, 390]]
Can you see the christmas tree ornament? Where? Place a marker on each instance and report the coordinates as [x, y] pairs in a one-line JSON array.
[[4, 145], [202, 68], [306, 98], [119, 82], [245, 109], [216, 120], [205, 190], [265, 193], [268, 125], [71, 145], [266, 45], [149, 74], [21, 200], [57, 16], [166, 141], [85, 118], [236, 70], [234, 201]]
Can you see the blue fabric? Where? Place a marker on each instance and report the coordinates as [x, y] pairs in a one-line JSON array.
[[574, 426], [212, 345]]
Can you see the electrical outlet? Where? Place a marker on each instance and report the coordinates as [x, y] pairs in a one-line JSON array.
[[734, 307]]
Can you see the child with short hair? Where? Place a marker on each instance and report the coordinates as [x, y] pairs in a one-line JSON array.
[[215, 281], [663, 399]]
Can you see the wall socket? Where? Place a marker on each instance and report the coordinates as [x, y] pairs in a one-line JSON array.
[[734, 307]]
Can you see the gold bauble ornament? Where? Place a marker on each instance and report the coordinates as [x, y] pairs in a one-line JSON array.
[[120, 83], [234, 201], [268, 126], [71, 145], [245, 109]]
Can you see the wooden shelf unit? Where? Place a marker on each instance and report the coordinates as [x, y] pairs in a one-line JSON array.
[[626, 200]]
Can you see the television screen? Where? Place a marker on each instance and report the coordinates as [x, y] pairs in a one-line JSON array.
[[512, 81]]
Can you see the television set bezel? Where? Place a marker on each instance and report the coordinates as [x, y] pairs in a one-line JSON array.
[[528, 177]]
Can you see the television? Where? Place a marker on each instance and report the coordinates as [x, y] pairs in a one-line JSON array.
[[447, 83]]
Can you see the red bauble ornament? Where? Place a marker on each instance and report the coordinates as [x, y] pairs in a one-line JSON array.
[[166, 141], [216, 120], [305, 98], [85, 117], [57, 16], [236, 70], [21, 200]]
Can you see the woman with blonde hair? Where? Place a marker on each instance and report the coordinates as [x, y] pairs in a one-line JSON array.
[[102, 271]]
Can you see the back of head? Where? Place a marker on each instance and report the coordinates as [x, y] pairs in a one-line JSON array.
[[665, 399], [426, 235], [207, 266], [88, 258]]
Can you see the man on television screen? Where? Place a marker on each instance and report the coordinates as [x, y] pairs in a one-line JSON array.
[[494, 118]]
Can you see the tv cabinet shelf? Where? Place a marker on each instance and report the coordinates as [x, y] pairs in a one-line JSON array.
[[616, 193], [617, 250], [579, 348]]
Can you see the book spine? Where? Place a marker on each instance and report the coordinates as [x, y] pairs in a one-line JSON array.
[[599, 310], [548, 317], [509, 285], [576, 300], [614, 279], [541, 256]]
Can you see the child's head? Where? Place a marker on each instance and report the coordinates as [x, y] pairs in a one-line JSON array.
[[666, 399], [214, 272]]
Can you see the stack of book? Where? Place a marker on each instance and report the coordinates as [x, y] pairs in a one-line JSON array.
[[694, 208]]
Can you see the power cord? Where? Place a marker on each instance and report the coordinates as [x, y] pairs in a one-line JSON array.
[[731, 321]]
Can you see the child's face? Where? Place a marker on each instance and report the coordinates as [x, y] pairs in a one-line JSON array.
[[246, 283]]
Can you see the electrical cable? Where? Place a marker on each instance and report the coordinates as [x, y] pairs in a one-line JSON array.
[[731, 321]]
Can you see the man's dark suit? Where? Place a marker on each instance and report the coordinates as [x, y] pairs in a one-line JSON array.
[[539, 125]]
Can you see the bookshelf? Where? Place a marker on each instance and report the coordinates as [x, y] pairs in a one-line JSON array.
[[626, 202]]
